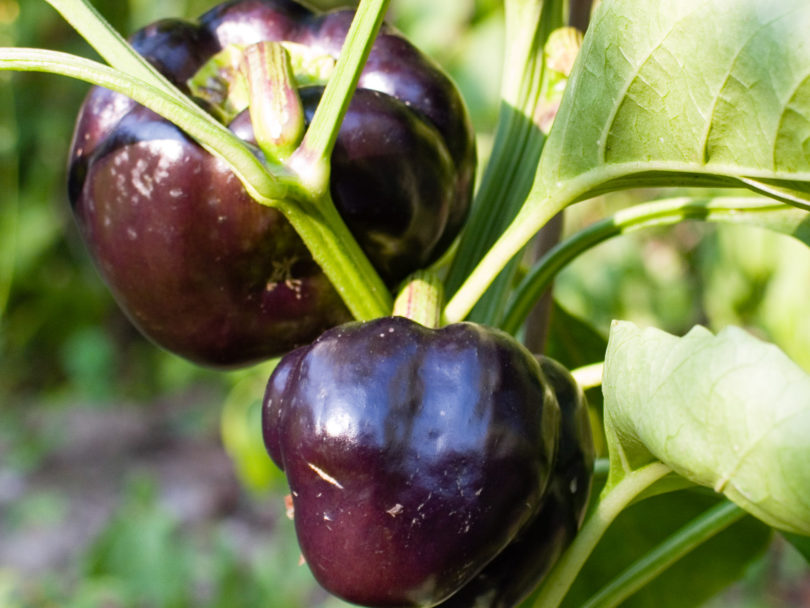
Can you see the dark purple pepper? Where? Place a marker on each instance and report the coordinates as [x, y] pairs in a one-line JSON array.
[[414, 456], [523, 564], [207, 273]]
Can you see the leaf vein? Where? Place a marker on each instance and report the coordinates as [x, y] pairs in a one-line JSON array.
[[730, 74], [633, 77]]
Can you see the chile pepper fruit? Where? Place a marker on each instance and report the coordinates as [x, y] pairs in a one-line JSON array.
[[521, 566], [414, 456], [199, 267]]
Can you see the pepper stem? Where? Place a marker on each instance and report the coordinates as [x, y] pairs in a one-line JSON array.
[[421, 299], [275, 107], [312, 159]]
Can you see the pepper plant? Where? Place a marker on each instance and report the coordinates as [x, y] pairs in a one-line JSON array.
[[654, 94]]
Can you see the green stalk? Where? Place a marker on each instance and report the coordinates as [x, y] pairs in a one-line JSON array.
[[601, 468], [648, 215], [656, 561], [421, 299], [342, 259], [544, 201], [214, 137], [312, 159], [589, 376], [336, 251], [275, 106], [518, 143], [113, 48], [611, 503], [510, 243]]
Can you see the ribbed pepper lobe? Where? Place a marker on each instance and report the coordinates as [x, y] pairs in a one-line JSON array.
[[413, 455]]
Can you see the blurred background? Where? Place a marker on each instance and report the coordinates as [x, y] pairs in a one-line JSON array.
[[129, 477]]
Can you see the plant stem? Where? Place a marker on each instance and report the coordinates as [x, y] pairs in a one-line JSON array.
[[421, 299], [262, 185], [99, 34], [589, 376], [511, 242], [341, 258], [696, 532], [275, 107], [601, 467], [311, 160], [336, 251], [610, 504], [648, 215]]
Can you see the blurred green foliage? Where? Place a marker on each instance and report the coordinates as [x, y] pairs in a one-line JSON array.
[[144, 558], [64, 342], [694, 273]]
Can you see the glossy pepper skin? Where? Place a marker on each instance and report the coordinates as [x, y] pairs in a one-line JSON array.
[[199, 267], [413, 455], [522, 565]]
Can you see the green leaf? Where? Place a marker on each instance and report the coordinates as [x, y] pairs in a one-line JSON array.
[[573, 341], [717, 90], [669, 93], [729, 412], [9, 184], [800, 543], [691, 581]]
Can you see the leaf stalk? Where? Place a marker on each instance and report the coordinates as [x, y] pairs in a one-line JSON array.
[[692, 535], [608, 507]]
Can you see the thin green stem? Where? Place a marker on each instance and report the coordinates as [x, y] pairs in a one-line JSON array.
[[510, 243], [115, 50], [601, 467], [214, 137], [336, 251], [421, 299], [311, 160], [341, 258], [589, 376], [648, 215], [643, 571], [610, 504]]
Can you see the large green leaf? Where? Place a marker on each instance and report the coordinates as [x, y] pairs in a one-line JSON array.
[[663, 93], [729, 412], [703, 92]]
